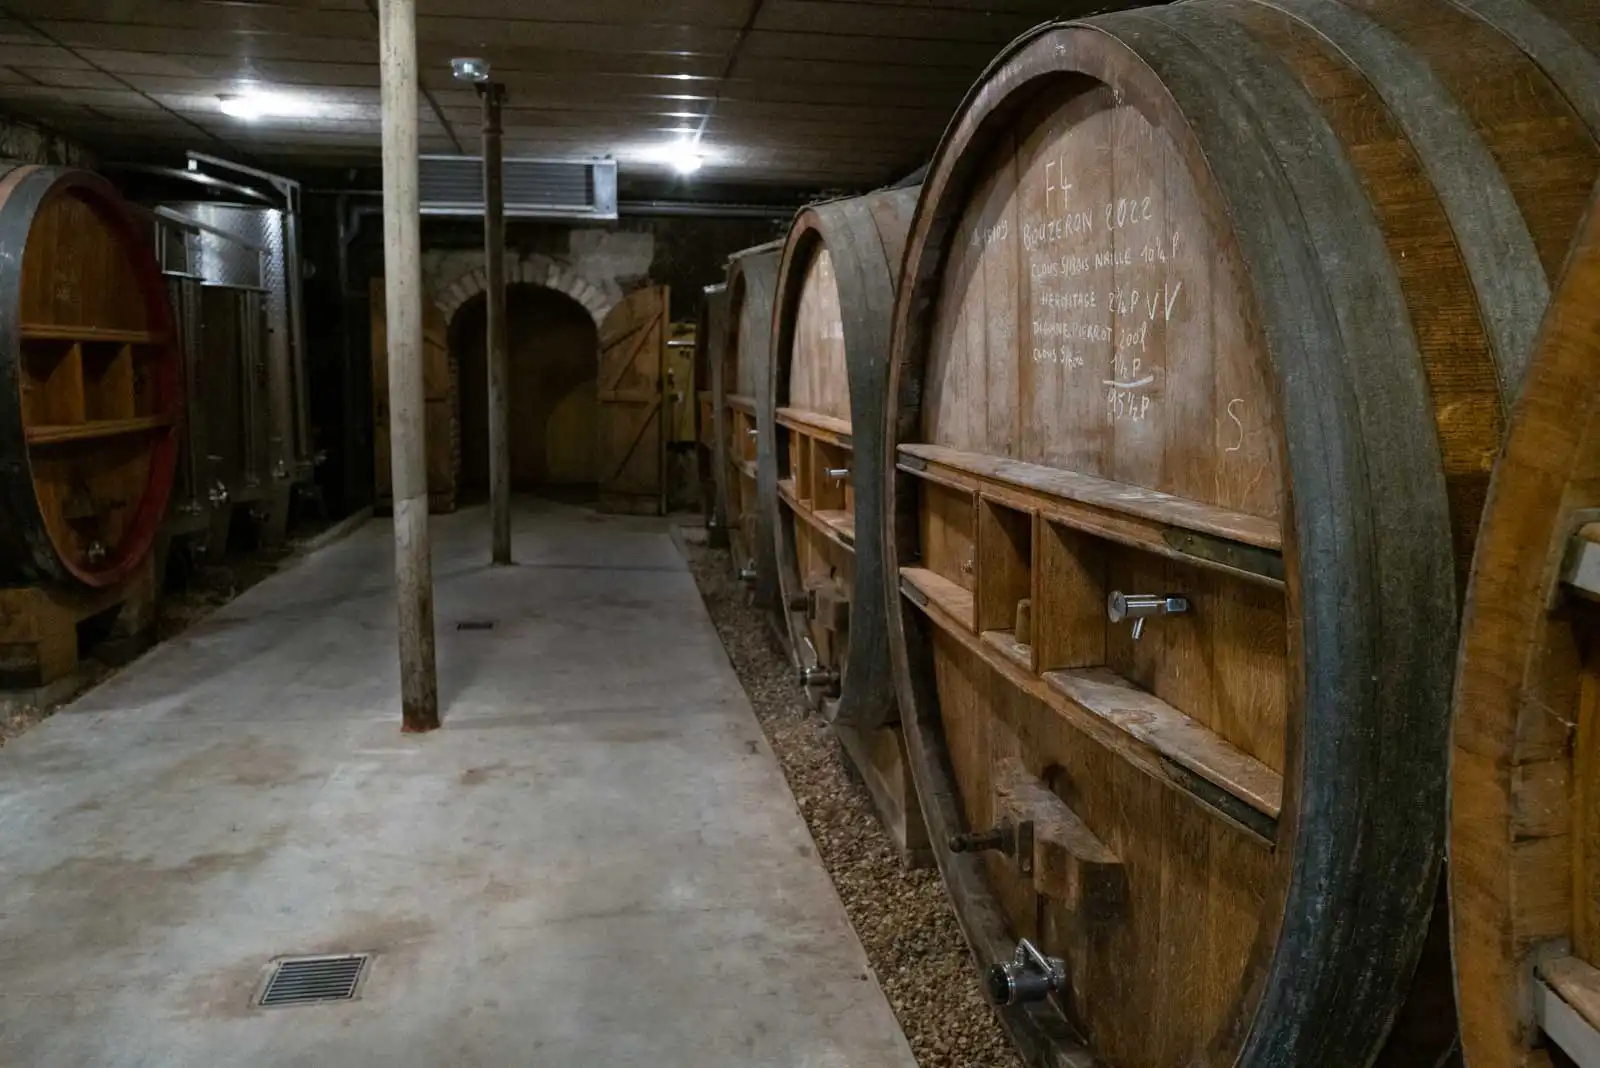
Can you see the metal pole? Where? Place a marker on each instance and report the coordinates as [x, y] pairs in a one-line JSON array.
[[402, 248], [494, 242]]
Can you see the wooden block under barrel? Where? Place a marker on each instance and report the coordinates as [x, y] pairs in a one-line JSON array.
[[39, 625], [830, 606], [1055, 848]]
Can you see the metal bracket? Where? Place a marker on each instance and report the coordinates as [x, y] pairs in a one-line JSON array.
[[1565, 1027], [1580, 569]]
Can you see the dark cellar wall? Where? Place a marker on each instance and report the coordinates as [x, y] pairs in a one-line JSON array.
[[32, 143], [688, 253]]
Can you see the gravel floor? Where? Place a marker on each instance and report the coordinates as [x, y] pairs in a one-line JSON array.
[[902, 917]]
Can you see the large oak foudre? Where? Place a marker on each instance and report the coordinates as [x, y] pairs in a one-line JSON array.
[[88, 418], [1210, 317]]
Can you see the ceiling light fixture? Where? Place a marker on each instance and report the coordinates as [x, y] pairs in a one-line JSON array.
[[470, 69], [252, 104], [684, 158]]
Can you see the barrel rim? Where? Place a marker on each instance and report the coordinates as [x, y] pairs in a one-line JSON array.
[[1315, 608], [804, 240], [866, 291], [25, 191], [752, 275], [1513, 601]]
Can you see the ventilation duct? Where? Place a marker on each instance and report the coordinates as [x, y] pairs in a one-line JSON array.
[[534, 188]]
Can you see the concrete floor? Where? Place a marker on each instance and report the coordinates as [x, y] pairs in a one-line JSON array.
[[596, 863]]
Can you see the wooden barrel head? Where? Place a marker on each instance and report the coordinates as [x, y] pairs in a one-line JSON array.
[[746, 376], [1200, 363], [1525, 825], [816, 521], [96, 395], [834, 301]]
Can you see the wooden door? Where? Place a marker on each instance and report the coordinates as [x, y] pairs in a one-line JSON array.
[[439, 386], [631, 448]]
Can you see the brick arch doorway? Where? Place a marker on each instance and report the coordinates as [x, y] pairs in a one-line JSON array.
[[554, 357]]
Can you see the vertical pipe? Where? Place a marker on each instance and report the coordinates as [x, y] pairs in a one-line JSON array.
[[402, 247], [494, 240]]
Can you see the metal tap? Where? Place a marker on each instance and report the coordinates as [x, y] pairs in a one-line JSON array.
[[1141, 606], [1001, 839], [1029, 976], [818, 677], [838, 474]]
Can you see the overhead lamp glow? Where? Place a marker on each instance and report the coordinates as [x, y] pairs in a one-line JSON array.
[[684, 159], [252, 105], [469, 69]]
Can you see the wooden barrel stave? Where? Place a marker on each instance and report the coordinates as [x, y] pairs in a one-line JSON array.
[[1523, 891], [92, 391], [1282, 968], [751, 470]]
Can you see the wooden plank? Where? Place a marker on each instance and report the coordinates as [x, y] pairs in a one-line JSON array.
[[64, 332], [1578, 983], [929, 586], [1173, 734], [102, 428], [1005, 641], [1264, 566], [837, 527], [830, 429], [1070, 487], [741, 403], [840, 522]]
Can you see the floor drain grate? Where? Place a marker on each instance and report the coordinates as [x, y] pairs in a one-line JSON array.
[[475, 624], [312, 980]]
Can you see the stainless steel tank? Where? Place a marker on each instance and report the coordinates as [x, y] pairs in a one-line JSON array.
[[257, 248], [220, 308]]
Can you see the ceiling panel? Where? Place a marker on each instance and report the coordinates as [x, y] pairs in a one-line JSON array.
[[787, 93], [901, 22]]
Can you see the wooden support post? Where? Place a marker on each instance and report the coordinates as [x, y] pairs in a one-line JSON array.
[[494, 240], [402, 247]]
